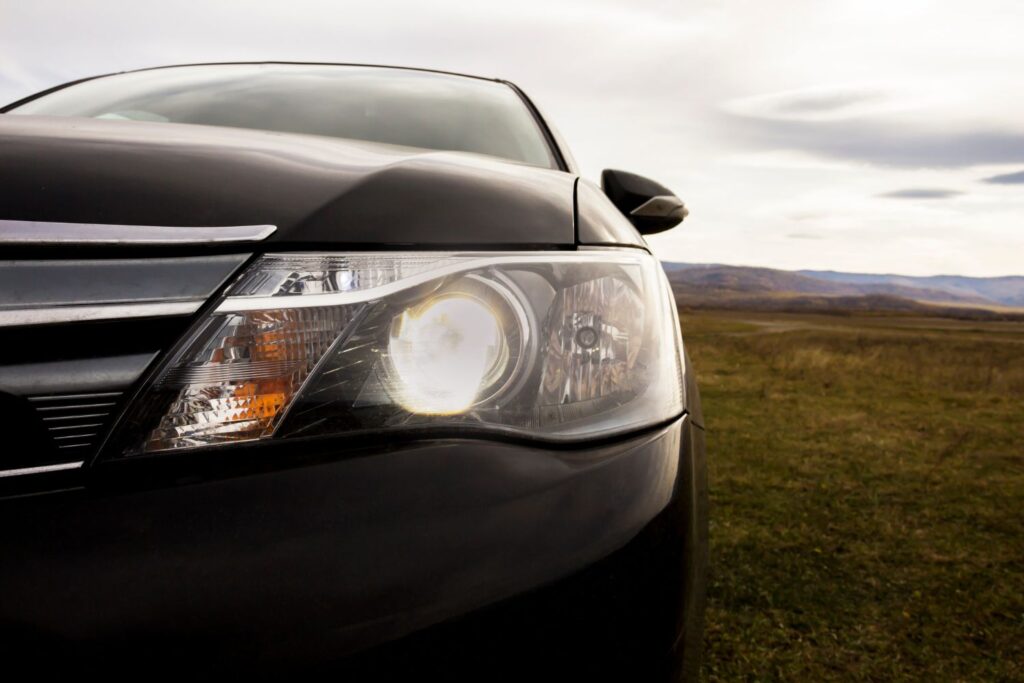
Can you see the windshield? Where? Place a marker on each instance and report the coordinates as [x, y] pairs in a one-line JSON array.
[[397, 106]]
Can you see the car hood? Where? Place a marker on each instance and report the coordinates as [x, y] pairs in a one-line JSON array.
[[316, 190]]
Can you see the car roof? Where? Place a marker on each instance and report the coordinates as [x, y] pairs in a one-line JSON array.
[[303, 63]]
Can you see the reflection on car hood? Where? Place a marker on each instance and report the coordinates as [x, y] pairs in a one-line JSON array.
[[316, 190]]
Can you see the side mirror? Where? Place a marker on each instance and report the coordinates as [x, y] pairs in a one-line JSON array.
[[651, 207]]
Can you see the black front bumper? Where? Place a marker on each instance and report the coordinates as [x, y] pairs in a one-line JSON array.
[[452, 558]]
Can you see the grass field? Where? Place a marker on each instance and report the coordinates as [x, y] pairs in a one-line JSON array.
[[867, 479]]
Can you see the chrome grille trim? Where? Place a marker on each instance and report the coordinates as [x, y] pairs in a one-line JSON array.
[[22, 471], [74, 417], [72, 397], [67, 427], [70, 314], [77, 405], [31, 233], [76, 421]]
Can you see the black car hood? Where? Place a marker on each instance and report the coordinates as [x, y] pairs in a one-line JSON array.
[[316, 190]]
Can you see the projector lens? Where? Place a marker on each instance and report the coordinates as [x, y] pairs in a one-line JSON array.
[[444, 353]]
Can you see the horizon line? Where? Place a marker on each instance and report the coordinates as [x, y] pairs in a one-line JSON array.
[[841, 272]]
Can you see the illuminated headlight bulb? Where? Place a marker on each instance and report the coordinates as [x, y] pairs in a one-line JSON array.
[[444, 352]]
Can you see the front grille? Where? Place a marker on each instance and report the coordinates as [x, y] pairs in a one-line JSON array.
[[76, 423]]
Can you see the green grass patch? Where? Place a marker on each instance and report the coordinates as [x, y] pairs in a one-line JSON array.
[[867, 487]]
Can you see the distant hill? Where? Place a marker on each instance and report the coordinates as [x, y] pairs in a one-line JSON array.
[[1008, 291], [713, 285]]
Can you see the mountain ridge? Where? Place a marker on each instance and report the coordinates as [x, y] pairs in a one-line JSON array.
[[702, 285], [1001, 291]]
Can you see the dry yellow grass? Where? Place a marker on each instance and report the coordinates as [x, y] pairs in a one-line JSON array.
[[867, 480]]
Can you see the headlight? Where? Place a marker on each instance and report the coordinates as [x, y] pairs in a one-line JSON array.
[[554, 346], [447, 354]]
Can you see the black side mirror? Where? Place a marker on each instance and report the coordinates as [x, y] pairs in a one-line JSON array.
[[651, 207]]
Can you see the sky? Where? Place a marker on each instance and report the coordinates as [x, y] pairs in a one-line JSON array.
[[857, 135]]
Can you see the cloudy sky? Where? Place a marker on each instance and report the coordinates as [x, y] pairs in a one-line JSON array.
[[863, 135]]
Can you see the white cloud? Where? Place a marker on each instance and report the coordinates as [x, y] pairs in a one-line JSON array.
[[836, 102], [779, 123]]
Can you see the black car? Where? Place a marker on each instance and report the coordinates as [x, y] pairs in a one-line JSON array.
[[342, 369]]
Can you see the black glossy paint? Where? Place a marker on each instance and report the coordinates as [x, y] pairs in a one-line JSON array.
[[350, 548], [634, 194], [82, 375], [600, 222], [371, 559], [316, 190], [34, 283]]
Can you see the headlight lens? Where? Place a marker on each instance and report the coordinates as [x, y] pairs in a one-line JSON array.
[[444, 353], [554, 346]]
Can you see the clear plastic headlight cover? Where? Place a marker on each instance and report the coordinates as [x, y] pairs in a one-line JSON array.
[[557, 346]]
